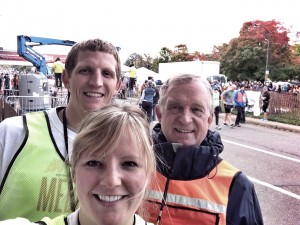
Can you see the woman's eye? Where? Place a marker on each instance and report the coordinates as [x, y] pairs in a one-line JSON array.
[[93, 163], [130, 164]]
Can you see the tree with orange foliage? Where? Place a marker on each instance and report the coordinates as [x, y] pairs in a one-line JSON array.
[[245, 56]]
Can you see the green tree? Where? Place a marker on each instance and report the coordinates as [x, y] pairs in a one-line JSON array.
[[291, 70], [296, 50], [154, 65], [165, 55], [131, 60], [180, 54], [140, 61], [245, 56]]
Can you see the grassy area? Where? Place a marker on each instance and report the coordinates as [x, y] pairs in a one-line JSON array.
[[287, 118]]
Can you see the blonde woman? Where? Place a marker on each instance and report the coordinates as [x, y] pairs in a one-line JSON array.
[[112, 163]]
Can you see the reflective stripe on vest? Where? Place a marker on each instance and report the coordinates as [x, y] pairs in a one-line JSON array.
[[36, 183], [187, 201], [202, 201]]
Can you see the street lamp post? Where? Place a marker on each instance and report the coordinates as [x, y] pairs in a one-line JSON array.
[[268, 47], [267, 57]]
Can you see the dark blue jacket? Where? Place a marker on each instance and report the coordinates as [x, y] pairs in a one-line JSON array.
[[196, 162]]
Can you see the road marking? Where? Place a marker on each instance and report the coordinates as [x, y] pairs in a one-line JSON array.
[[262, 182], [274, 188], [263, 151]]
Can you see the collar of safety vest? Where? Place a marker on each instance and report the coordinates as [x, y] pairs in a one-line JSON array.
[[187, 162]]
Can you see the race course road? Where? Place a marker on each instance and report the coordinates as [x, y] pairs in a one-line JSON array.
[[271, 159]]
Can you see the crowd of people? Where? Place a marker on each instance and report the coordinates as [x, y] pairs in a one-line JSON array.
[[147, 94], [225, 93], [97, 162], [233, 96], [279, 87], [9, 84]]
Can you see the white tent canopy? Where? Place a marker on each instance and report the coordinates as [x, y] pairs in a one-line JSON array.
[[124, 68], [143, 74]]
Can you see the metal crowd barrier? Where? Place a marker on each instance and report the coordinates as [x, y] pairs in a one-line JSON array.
[[26, 104]]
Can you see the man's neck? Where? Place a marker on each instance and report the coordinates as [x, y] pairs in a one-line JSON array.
[[71, 119]]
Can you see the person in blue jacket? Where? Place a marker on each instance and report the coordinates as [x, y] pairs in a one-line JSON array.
[[146, 100], [240, 102]]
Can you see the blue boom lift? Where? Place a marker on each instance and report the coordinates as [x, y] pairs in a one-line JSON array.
[[35, 84], [25, 49]]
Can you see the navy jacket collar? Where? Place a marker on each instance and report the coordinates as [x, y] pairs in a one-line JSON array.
[[187, 162]]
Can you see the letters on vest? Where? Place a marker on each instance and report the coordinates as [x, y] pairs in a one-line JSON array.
[[36, 182]]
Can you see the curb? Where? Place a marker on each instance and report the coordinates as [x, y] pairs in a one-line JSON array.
[[271, 124]]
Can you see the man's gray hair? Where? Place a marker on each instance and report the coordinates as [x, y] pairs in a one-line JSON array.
[[184, 79]]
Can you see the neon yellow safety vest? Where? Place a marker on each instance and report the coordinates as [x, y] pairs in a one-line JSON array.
[[36, 182], [58, 67], [132, 72]]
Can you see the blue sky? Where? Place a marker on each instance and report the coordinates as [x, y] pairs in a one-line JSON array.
[[140, 26]]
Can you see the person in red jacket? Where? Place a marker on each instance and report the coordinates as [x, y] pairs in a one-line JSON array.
[[193, 184]]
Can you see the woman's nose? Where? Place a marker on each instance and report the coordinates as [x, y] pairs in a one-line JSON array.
[[111, 177]]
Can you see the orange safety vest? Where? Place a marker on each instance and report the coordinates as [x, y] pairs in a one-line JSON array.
[[241, 97], [202, 201]]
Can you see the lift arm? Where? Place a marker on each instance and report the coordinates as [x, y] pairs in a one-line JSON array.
[[25, 49]]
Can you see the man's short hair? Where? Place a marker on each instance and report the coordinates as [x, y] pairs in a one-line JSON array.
[[184, 79], [93, 45]]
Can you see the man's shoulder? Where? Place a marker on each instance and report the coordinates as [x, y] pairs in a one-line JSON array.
[[12, 122], [12, 132], [226, 92], [17, 121], [242, 182], [240, 178]]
